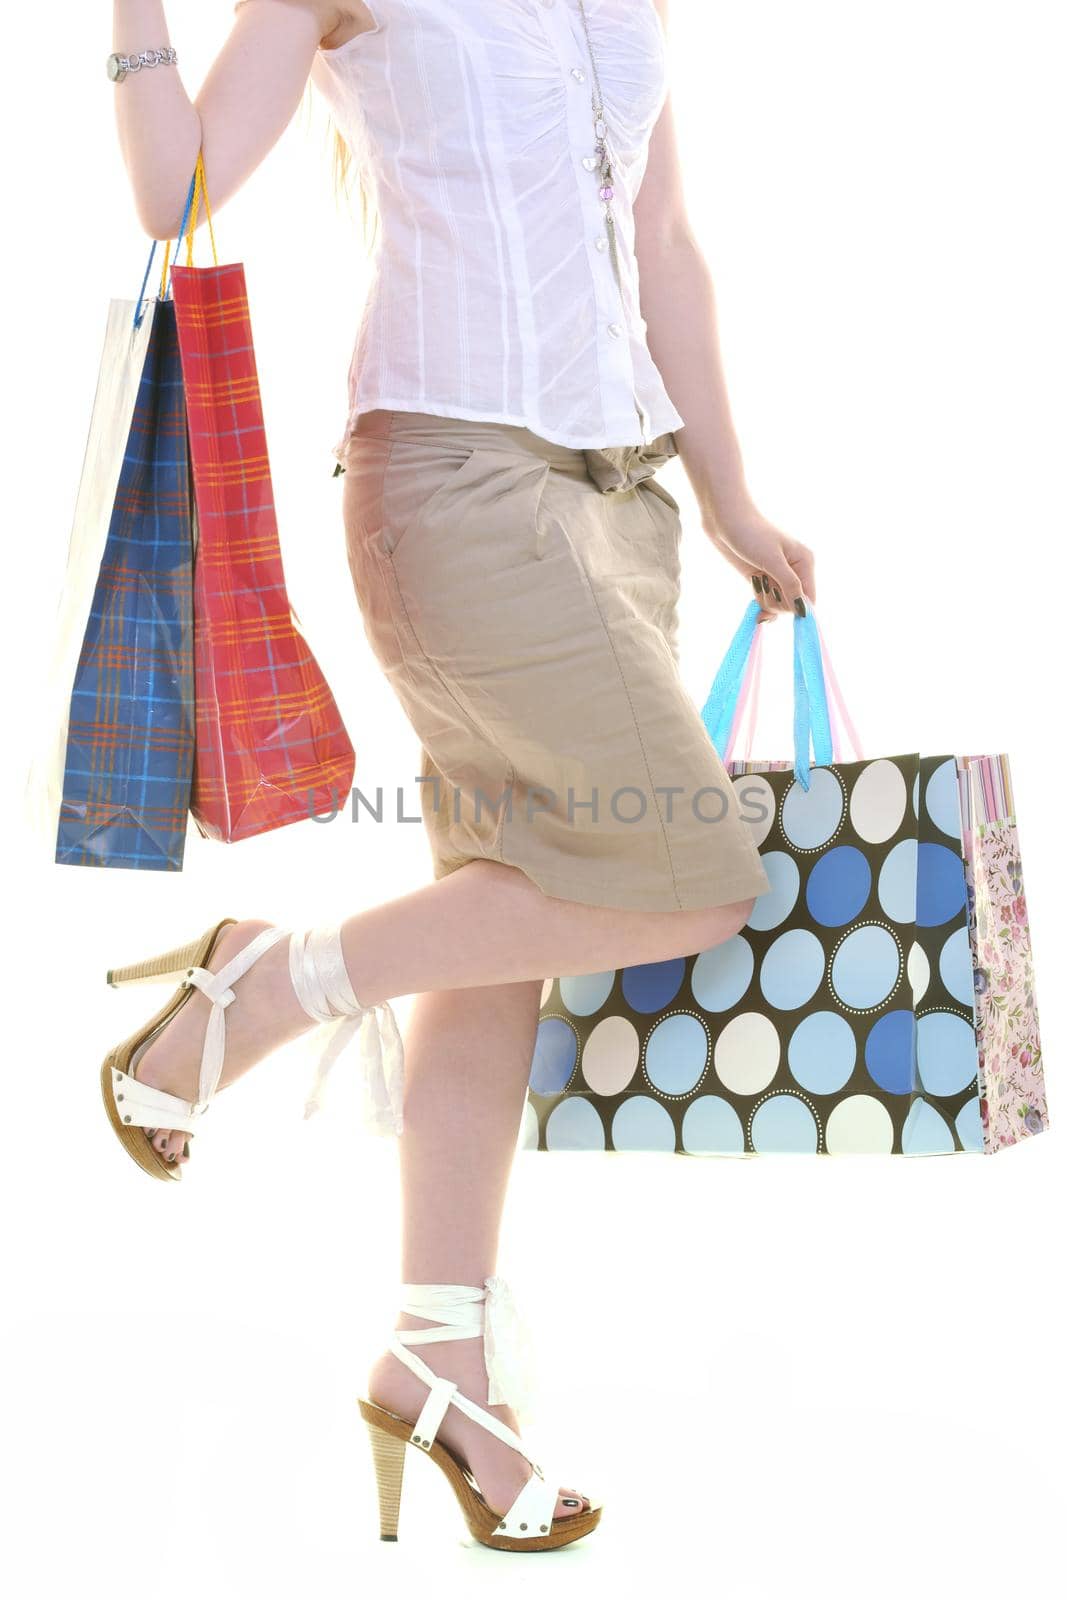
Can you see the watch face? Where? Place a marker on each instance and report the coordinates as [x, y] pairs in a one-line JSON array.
[[115, 71]]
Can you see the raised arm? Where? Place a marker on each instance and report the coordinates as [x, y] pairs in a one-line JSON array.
[[678, 305], [244, 105]]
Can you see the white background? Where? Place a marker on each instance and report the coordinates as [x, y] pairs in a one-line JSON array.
[[814, 1377]]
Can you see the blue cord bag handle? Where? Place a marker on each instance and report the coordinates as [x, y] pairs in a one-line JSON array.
[[140, 308], [812, 735]]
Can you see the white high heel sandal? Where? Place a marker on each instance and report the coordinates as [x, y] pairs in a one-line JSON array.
[[469, 1311], [322, 985]]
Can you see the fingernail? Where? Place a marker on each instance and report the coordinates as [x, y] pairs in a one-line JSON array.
[[172, 1156], [567, 1502], [777, 592], [757, 585], [766, 585], [186, 1147], [800, 608]]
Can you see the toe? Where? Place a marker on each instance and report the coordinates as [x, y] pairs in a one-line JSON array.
[[570, 1503], [158, 1140], [170, 1146]]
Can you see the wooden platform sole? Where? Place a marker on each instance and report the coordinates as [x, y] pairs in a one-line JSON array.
[[390, 1436]]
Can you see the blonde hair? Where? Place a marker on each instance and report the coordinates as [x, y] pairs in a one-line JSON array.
[[344, 170]]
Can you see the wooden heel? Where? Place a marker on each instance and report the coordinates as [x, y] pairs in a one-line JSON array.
[[388, 1453], [172, 964]]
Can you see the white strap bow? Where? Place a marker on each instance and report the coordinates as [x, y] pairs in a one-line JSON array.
[[381, 1068], [216, 986], [320, 979], [508, 1349]]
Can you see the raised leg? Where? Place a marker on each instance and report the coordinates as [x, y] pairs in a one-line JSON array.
[[483, 925]]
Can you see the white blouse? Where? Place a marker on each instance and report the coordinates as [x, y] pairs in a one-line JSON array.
[[493, 294]]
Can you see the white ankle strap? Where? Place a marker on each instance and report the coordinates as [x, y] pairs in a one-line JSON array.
[[467, 1310], [216, 985], [324, 989]]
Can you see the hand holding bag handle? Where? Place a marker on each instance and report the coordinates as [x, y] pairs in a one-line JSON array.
[[816, 731]]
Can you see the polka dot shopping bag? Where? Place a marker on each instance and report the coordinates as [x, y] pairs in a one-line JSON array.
[[880, 998]]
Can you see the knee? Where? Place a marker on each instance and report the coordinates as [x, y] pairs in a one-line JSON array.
[[742, 910], [717, 923]]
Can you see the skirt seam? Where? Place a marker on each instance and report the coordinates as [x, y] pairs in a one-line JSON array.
[[498, 842]]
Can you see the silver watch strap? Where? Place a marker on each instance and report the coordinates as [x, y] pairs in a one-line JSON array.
[[118, 65]]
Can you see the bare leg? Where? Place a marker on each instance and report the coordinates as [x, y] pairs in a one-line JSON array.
[[484, 924], [488, 923], [466, 1067]]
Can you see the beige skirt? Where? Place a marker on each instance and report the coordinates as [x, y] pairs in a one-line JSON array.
[[521, 597]]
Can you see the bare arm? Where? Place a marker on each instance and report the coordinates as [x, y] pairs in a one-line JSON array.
[[678, 304], [246, 101]]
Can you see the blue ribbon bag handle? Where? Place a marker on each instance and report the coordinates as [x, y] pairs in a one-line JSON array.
[[811, 713], [721, 704]]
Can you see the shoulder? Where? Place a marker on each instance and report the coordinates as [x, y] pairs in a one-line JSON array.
[[330, 15]]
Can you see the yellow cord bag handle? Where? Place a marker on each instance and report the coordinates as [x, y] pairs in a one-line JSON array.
[[197, 186], [192, 207]]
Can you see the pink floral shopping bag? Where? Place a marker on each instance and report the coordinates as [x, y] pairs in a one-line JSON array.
[[1011, 1075]]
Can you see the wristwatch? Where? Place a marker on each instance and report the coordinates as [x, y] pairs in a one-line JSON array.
[[119, 65]]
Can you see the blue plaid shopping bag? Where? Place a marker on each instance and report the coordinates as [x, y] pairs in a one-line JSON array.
[[128, 763]]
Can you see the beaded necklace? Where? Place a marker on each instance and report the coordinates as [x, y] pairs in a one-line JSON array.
[[601, 161]]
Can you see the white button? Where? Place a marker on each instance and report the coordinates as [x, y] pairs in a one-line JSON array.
[[614, 329], [601, 241], [577, 74]]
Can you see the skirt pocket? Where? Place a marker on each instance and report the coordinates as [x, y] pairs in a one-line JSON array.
[[418, 480], [464, 558]]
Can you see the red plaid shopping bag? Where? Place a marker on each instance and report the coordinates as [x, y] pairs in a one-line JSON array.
[[271, 747]]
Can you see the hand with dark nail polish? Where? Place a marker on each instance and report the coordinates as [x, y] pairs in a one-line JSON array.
[[756, 549]]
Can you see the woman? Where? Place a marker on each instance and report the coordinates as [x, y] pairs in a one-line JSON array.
[[516, 567]]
